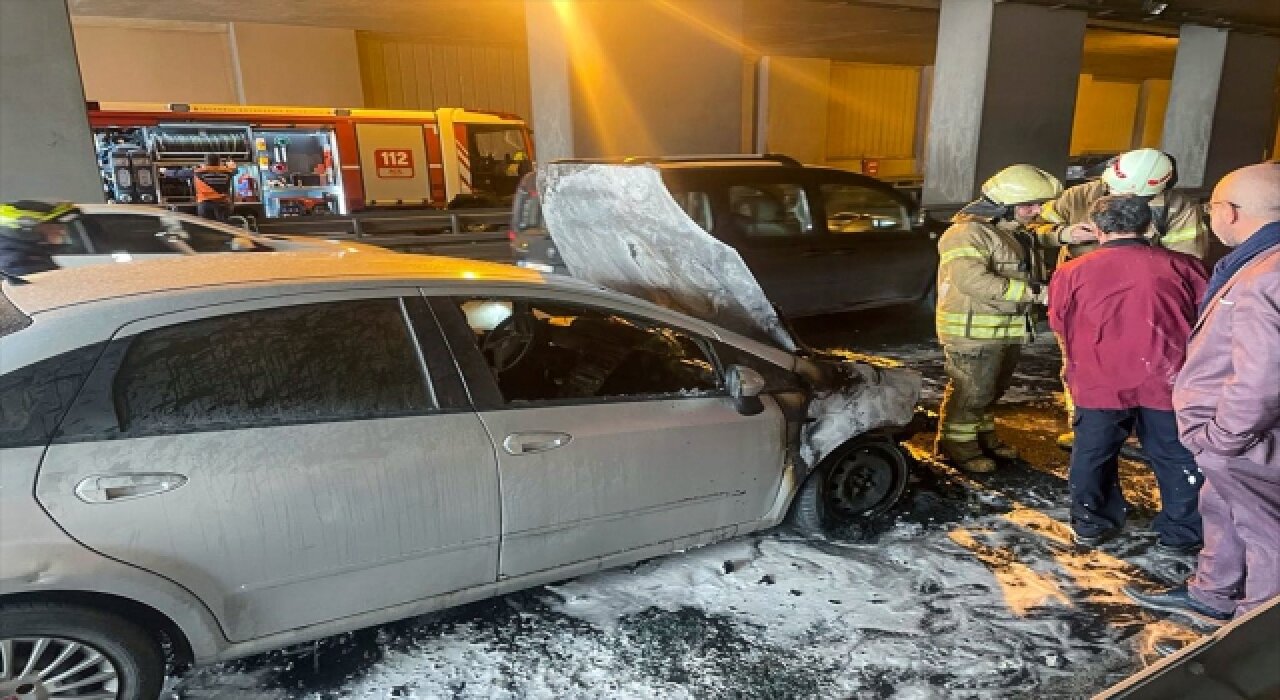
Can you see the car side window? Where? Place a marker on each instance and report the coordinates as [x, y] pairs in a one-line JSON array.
[[698, 206], [126, 233], [75, 240], [770, 211], [206, 239], [545, 351], [858, 209], [299, 364]]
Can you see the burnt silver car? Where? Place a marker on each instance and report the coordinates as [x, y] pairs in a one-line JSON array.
[[212, 456]]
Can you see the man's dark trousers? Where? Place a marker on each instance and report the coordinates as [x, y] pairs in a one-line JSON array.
[[1098, 506]]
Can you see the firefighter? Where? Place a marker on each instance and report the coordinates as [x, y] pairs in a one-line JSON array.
[[30, 232], [989, 276], [213, 183], [1148, 173]]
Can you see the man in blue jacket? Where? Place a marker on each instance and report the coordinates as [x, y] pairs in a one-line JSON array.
[[1123, 314]]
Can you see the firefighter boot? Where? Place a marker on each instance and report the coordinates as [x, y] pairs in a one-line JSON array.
[[993, 446], [966, 456]]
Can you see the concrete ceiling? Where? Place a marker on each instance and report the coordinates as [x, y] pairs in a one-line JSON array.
[[1125, 40]]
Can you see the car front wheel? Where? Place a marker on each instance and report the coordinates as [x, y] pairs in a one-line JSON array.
[[50, 650], [859, 480]]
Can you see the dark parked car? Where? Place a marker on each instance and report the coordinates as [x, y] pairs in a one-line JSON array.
[[819, 240]]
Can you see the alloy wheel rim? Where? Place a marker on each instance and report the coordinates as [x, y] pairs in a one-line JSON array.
[[40, 668]]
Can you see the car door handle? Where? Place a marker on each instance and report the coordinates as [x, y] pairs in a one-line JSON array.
[[519, 444], [102, 488]]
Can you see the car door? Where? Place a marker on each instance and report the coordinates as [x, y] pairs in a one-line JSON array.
[[882, 258], [613, 432], [285, 460]]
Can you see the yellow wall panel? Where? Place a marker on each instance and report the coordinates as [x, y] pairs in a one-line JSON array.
[[872, 111], [405, 72], [1106, 111]]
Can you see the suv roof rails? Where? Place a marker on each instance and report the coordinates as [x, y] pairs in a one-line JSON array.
[[747, 157]]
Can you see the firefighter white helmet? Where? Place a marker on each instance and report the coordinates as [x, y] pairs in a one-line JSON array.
[[1021, 184], [1145, 172]]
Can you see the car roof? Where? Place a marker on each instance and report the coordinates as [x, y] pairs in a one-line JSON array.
[[194, 274], [78, 285]]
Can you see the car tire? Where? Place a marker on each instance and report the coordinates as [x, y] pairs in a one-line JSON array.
[[53, 628], [861, 479]]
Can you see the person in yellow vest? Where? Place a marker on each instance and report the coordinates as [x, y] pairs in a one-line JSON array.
[[990, 275], [1146, 172], [213, 185]]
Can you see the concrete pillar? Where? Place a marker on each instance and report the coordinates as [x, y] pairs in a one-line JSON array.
[[643, 77], [46, 150], [1004, 92], [1222, 104]]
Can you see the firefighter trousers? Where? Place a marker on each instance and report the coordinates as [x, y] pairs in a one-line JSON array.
[[977, 376]]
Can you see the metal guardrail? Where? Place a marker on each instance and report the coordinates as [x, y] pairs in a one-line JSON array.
[[474, 233]]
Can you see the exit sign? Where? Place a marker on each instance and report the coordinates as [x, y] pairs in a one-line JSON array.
[[393, 162]]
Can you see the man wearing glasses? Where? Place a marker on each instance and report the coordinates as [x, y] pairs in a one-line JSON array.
[[1227, 399]]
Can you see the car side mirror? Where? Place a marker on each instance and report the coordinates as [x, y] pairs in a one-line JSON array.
[[744, 385]]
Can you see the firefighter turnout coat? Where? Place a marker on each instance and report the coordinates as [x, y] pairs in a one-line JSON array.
[[1175, 221], [988, 275]]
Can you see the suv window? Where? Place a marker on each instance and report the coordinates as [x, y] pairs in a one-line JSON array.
[[300, 364], [770, 211], [126, 233], [553, 351], [698, 206], [857, 209]]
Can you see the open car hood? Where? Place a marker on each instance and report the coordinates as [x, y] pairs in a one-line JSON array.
[[618, 226]]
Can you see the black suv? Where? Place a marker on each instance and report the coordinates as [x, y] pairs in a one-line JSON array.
[[819, 240]]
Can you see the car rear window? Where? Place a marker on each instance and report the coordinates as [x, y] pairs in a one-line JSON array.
[[314, 363]]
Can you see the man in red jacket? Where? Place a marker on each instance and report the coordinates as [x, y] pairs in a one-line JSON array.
[[1123, 314]]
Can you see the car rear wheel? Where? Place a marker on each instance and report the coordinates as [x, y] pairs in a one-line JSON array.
[[862, 479], [52, 650]]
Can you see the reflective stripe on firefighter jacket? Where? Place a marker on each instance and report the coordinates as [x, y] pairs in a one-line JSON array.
[[1171, 212], [213, 183], [988, 274]]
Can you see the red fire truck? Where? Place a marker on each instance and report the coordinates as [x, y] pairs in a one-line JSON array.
[[293, 161]]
